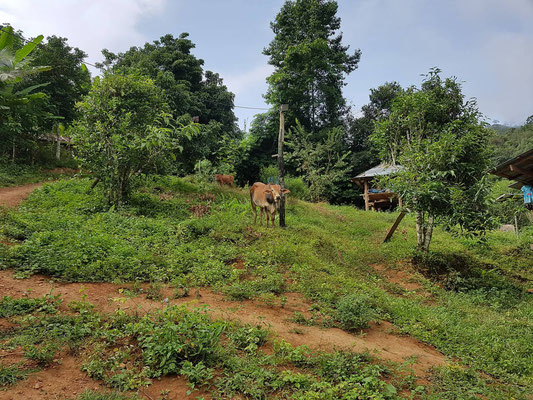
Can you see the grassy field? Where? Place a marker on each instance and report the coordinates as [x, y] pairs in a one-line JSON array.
[[467, 299]]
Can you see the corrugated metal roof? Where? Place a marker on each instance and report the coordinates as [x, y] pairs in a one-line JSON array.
[[381, 169]]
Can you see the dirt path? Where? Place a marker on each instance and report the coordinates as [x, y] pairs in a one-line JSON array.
[[13, 196], [380, 339]]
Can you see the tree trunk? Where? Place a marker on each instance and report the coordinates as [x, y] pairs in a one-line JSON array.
[[58, 145], [424, 230]]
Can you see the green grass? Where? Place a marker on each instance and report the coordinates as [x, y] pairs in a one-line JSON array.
[[20, 174], [479, 311]]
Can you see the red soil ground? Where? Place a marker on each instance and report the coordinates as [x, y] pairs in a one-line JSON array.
[[12, 196]]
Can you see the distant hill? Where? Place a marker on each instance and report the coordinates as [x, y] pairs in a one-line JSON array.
[[499, 128], [508, 142]]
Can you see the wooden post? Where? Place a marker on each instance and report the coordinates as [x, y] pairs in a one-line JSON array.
[[516, 226], [281, 172], [394, 226], [366, 195]]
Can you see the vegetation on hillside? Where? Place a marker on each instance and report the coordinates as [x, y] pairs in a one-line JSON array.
[[478, 310]]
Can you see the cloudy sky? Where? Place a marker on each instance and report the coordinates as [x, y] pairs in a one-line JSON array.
[[487, 44]]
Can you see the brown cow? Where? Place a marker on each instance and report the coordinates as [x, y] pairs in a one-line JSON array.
[[267, 198], [224, 179]]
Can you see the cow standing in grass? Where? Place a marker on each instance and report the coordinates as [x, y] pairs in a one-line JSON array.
[[224, 179], [267, 198]]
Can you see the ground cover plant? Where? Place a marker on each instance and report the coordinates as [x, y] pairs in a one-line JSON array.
[[473, 307]]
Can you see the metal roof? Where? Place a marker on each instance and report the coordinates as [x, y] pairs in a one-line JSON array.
[[378, 170], [518, 169]]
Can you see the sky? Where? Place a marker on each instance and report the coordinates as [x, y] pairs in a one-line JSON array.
[[486, 44]]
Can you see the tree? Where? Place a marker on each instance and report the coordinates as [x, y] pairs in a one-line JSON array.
[[358, 130], [310, 63], [21, 110], [172, 66], [529, 120], [323, 164], [68, 79], [439, 140], [125, 129]]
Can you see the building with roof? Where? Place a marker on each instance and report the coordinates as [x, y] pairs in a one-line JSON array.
[[376, 198]]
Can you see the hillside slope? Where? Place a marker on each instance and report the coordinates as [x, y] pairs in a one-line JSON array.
[[327, 271]]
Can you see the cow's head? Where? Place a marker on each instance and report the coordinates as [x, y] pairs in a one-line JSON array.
[[273, 194]]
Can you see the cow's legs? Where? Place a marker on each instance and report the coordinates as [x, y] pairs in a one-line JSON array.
[[254, 210], [273, 219]]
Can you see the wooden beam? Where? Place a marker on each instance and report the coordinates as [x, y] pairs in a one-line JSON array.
[[393, 227], [366, 195], [521, 171]]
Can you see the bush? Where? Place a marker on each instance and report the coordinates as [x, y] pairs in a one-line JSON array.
[[175, 336], [298, 188], [355, 311], [269, 174]]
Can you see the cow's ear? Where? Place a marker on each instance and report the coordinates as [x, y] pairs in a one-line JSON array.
[[285, 191]]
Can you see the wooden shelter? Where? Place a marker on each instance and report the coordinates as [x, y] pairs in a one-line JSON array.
[[519, 169], [377, 199]]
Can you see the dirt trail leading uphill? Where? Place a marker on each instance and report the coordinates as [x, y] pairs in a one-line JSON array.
[[13, 196]]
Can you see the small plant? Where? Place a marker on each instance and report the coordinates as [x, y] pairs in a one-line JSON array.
[[154, 291], [92, 395], [355, 311], [11, 374], [43, 355], [248, 338], [10, 307], [197, 374], [268, 299]]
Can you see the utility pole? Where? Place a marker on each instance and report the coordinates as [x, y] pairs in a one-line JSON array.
[[281, 171]]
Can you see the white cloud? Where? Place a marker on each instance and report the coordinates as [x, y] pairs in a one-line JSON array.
[[248, 81], [90, 25], [511, 62]]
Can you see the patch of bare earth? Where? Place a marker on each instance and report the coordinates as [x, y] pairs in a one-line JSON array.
[[380, 339], [13, 196], [403, 276]]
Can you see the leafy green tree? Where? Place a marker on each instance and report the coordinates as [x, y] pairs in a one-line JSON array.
[[21, 110], [68, 79], [358, 130], [310, 63], [323, 164], [125, 129], [188, 90], [443, 147], [256, 150]]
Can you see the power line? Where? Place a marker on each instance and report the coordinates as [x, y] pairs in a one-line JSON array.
[[252, 108]]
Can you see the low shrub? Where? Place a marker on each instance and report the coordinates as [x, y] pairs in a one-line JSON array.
[[10, 307], [355, 311]]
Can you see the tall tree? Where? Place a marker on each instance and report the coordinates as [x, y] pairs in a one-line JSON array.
[[188, 90], [310, 62], [443, 147], [68, 79], [358, 130]]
